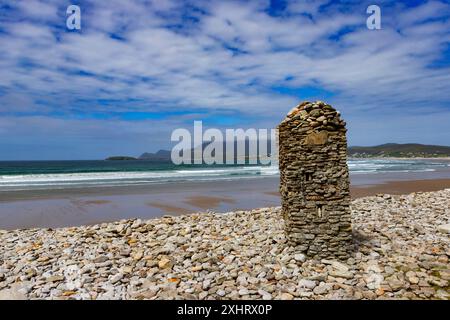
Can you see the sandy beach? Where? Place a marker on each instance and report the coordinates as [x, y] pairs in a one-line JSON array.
[[401, 251], [82, 206], [206, 240], [400, 187]]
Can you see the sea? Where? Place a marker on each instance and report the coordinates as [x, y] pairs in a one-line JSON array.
[[29, 175]]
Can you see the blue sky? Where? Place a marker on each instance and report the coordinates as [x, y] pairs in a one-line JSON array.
[[139, 69]]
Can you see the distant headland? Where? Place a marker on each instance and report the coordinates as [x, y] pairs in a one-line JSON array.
[[397, 150], [116, 158], [387, 150]]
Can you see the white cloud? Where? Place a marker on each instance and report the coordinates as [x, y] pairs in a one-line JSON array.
[[429, 10], [228, 56]]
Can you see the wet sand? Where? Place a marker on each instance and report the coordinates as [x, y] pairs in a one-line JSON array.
[[400, 187], [168, 209], [73, 207], [205, 202], [199, 202], [393, 187]]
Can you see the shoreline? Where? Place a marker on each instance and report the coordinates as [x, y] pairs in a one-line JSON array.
[[398, 253], [399, 187], [400, 158], [67, 207]]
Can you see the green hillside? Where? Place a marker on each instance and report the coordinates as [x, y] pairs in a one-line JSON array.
[[407, 150]]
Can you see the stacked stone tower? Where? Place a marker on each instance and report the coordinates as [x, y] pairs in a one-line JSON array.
[[314, 181]]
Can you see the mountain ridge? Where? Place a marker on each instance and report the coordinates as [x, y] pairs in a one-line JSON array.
[[401, 150], [386, 150]]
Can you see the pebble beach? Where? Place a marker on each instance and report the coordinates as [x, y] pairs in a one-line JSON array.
[[401, 251]]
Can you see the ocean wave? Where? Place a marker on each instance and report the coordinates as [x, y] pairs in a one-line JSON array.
[[126, 178], [130, 178]]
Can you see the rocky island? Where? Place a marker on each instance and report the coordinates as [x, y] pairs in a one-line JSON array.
[[120, 158]]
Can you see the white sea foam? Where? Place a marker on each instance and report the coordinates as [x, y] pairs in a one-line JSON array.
[[131, 177], [125, 178]]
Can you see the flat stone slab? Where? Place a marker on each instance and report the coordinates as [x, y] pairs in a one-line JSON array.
[[444, 228]]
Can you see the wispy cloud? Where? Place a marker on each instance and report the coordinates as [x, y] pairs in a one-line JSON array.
[[248, 62]]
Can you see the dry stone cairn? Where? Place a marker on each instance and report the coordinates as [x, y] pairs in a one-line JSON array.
[[314, 181]]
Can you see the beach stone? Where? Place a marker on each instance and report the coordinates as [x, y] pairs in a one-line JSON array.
[[395, 283], [165, 263], [322, 288], [196, 268], [238, 255], [264, 294], [221, 292], [373, 280], [314, 113], [243, 292], [339, 266], [286, 296], [148, 294], [300, 257], [55, 278], [341, 274], [16, 291], [444, 228], [202, 295], [12, 294], [138, 255], [305, 283], [101, 259], [115, 278]]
